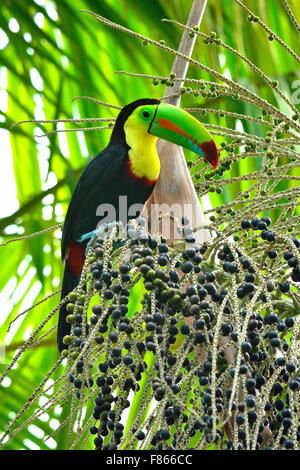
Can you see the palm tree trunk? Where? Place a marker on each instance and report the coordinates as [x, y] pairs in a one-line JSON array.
[[175, 188]]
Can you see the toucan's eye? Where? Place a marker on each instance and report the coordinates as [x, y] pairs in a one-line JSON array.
[[146, 114]]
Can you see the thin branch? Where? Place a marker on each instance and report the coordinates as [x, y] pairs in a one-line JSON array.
[[269, 31], [33, 235], [46, 121], [32, 306], [241, 57], [291, 14], [94, 100], [79, 129]]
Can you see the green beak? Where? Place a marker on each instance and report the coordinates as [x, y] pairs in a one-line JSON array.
[[179, 127]]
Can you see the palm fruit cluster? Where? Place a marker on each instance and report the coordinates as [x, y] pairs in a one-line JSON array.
[[184, 346]]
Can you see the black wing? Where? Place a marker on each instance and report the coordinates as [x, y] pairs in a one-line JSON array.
[[98, 177]]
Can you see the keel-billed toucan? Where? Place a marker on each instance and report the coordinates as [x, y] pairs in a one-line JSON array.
[[129, 166]]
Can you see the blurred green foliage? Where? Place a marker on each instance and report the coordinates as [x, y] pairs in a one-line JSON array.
[[55, 53]]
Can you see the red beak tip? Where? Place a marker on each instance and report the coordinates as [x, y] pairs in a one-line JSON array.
[[215, 163], [211, 153]]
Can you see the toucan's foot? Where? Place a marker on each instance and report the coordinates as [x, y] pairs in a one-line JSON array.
[[95, 233]]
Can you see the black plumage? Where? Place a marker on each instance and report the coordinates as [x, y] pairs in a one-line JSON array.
[[105, 179]]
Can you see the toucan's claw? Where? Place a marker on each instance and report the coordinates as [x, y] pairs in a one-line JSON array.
[[95, 233]]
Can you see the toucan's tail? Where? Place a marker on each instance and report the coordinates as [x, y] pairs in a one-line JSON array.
[[69, 283]]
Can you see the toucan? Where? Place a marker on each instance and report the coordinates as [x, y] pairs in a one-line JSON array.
[[129, 166]]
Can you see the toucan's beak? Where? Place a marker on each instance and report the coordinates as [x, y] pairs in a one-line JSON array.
[[176, 125]]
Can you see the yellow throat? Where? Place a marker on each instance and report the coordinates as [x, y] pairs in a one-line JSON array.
[[143, 156]]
